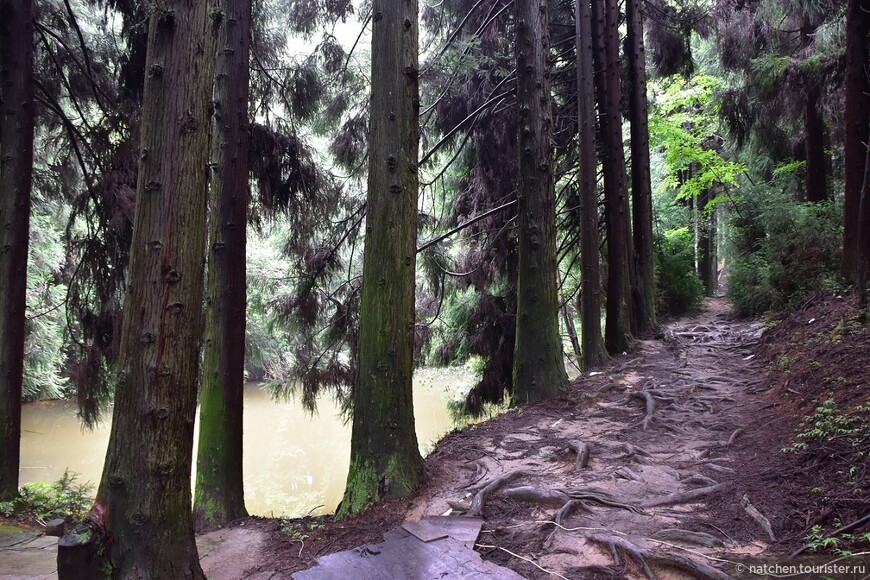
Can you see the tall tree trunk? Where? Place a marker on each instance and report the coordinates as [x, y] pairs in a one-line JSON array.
[[219, 495], [641, 188], [706, 228], [16, 170], [539, 369], [594, 353], [384, 458], [814, 142], [857, 131], [617, 327], [814, 126], [141, 519]]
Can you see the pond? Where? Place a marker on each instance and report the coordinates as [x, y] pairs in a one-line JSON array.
[[294, 463]]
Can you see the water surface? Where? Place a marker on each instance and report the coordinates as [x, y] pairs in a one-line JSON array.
[[293, 462]]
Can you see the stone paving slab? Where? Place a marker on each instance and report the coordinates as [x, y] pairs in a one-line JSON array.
[[224, 555], [466, 530], [449, 554], [26, 555]]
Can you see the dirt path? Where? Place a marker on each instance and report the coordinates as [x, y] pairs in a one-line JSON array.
[[660, 429], [683, 464]]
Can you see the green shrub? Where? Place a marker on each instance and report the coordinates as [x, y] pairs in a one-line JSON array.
[[678, 288], [42, 501], [784, 252]]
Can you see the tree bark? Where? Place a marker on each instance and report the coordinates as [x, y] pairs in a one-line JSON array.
[[814, 142], [141, 519], [384, 458], [814, 127], [16, 170], [594, 353], [219, 495], [617, 326], [857, 132], [539, 369], [641, 187], [706, 228]]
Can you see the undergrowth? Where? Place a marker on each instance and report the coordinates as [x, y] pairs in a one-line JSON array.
[[679, 289], [784, 251], [41, 501]]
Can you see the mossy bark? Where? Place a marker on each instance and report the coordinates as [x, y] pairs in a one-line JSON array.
[[219, 494], [539, 368], [617, 326], [143, 505], [594, 353], [384, 457], [16, 170], [641, 187]]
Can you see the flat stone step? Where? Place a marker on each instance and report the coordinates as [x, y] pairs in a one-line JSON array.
[[434, 547]]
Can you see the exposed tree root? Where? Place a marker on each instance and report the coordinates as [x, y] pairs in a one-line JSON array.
[[537, 495], [758, 517], [627, 473], [480, 471], [569, 508], [697, 479], [564, 496], [737, 433], [688, 537], [683, 497], [599, 496], [459, 506], [720, 468], [642, 556], [650, 405], [582, 450], [564, 512], [632, 450], [491, 486]]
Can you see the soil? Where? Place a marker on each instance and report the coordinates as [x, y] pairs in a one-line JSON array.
[[671, 489], [685, 436]]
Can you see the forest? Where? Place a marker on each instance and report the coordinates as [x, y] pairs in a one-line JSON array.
[[641, 227]]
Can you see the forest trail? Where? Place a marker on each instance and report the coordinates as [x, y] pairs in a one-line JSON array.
[[661, 485], [647, 469], [644, 470]]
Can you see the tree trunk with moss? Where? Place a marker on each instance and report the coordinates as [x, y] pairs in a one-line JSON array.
[[857, 119], [594, 353], [141, 521], [385, 460], [219, 495], [16, 170], [539, 368], [641, 187], [617, 327]]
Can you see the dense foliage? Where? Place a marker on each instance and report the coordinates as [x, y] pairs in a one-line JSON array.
[[784, 251], [728, 103]]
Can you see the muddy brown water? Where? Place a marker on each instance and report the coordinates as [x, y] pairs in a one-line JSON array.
[[293, 462]]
